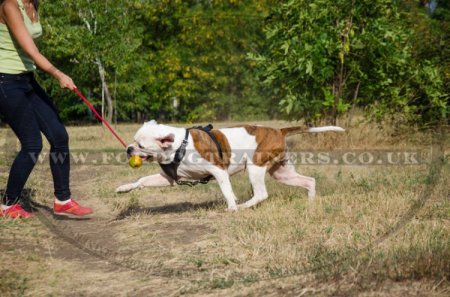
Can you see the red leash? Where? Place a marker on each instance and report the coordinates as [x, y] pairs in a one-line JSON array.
[[99, 116]]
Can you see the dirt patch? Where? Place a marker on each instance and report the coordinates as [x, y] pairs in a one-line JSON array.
[[180, 241]]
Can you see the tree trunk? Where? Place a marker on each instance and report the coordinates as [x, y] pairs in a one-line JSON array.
[[105, 91]]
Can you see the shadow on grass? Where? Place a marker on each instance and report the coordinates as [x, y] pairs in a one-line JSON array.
[[24, 200], [166, 209]]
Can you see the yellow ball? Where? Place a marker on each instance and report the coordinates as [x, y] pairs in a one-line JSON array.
[[135, 161]]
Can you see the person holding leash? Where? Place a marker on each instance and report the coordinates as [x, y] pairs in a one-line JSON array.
[[28, 110]]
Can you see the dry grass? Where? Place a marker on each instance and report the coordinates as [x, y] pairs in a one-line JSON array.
[[176, 241]]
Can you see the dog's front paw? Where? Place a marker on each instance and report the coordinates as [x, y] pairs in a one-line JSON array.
[[232, 209], [125, 188], [242, 206]]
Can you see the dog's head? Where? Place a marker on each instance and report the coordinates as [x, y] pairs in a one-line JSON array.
[[153, 142]]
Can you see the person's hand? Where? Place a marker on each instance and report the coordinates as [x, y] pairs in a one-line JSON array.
[[65, 81]]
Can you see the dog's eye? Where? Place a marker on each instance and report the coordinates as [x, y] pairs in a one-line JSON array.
[[140, 146]]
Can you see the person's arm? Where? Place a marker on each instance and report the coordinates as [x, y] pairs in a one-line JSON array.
[[14, 20]]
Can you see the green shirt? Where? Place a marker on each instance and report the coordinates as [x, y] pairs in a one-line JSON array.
[[13, 59]]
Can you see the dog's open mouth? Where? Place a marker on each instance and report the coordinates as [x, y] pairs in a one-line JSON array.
[[146, 157], [142, 157]]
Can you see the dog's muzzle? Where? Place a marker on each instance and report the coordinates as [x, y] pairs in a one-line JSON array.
[[132, 151]]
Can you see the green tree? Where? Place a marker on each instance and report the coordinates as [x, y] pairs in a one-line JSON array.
[[168, 59], [96, 43], [430, 43], [197, 67], [323, 57]]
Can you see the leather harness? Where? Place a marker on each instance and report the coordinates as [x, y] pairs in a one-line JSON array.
[[172, 168]]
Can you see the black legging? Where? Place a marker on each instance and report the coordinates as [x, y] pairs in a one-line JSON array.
[[27, 109]]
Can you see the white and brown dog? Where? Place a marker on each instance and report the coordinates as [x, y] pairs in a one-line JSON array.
[[219, 154]]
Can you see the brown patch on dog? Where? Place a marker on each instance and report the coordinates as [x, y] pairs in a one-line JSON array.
[[271, 145], [293, 130], [208, 149]]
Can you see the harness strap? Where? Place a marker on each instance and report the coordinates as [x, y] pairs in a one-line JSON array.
[[172, 168], [208, 129]]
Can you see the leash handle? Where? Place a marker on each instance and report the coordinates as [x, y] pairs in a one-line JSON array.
[[99, 116]]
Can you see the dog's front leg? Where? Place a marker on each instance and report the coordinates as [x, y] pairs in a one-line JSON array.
[[155, 180], [223, 179]]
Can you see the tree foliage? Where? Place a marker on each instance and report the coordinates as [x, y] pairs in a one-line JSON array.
[[323, 57], [175, 60], [94, 42], [194, 60]]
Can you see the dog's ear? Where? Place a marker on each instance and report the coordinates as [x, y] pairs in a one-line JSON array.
[[152, 122], [166, 141]]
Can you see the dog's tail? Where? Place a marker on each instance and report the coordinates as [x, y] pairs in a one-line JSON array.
[[297, 130]]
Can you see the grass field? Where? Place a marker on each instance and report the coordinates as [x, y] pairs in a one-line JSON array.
[[373, 230]]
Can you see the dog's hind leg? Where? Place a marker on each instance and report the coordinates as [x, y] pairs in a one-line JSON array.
[[155, 180], [257, 179], [286, 174]]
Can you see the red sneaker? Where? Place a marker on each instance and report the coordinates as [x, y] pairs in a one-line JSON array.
[[71, 209], [15, 211]]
